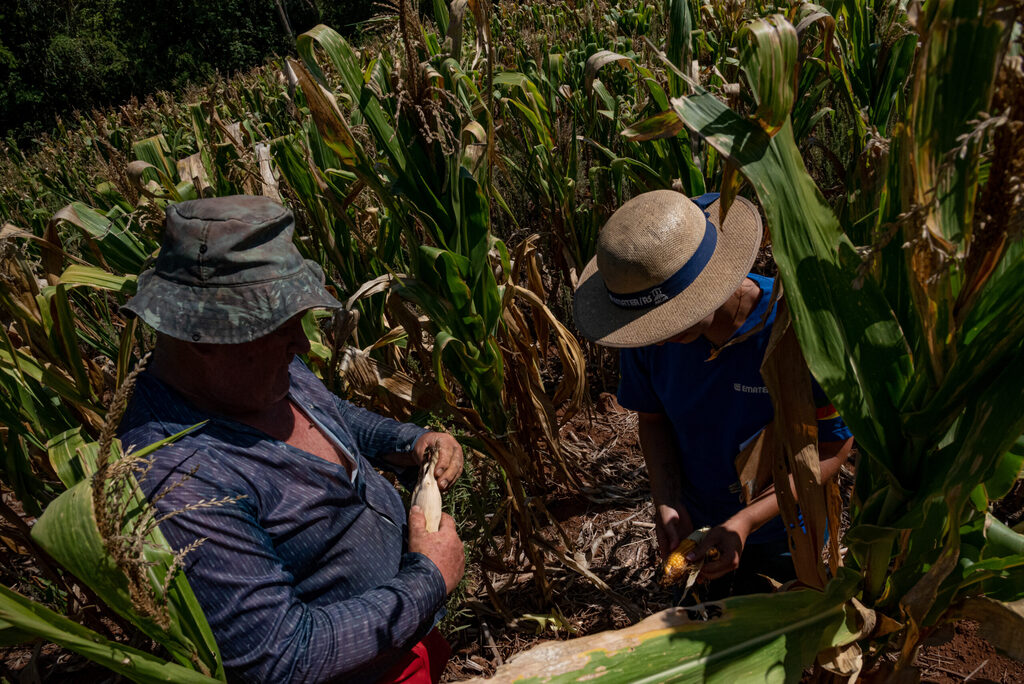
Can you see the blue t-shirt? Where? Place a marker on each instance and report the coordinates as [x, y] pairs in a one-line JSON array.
[[715, 408]]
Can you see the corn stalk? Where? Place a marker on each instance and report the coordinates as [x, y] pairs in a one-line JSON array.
[[427, 179]]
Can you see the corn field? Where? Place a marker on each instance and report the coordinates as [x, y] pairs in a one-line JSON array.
[[450, 173]]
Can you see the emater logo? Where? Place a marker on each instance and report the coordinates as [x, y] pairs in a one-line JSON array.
[[749, 389]]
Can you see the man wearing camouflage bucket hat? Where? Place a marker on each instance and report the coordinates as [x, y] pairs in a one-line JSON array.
[[308, 568], [671, 287]]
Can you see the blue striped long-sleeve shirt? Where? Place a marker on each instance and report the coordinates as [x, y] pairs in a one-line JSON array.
[[306, 577]]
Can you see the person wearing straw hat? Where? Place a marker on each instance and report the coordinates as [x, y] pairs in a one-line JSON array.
[[307, 567], [670, 286]]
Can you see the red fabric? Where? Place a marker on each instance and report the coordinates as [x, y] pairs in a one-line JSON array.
[[826, 412], [423, 664]]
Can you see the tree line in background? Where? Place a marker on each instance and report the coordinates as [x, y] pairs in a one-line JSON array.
[[57, 56]]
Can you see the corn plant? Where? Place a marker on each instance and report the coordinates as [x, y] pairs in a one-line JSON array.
[[427, 179], [560, 126], [917, 339], [933, 425]]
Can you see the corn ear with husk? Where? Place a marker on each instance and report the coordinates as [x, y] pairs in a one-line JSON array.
[[427, 495], [675, 569]]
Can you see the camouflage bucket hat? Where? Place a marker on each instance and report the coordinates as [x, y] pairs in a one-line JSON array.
[[228, 272]]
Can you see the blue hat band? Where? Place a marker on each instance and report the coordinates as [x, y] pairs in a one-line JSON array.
[[681, 279]]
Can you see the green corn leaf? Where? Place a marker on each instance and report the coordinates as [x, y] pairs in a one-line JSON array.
[[1009, 469], [124, 350], [990, 336], [329, 121], [43, 372], [20, 617], [65, 339], [852, 342], [664, 125], [68, 531], [742, 639], [12, 636], [1002, 540], [680, 26], [72, 456], [152, 178], [987, 432], [346, 62], [18, 474], [92, 276], [154, 151], [768, 54], [441, 15], [116, 245]]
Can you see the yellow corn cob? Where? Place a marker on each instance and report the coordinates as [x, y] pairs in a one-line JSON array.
[[676, 568]]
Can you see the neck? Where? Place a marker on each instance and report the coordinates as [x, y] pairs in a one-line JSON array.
[[731, 316]]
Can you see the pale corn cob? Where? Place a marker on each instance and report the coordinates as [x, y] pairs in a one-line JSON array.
[[427, 495]]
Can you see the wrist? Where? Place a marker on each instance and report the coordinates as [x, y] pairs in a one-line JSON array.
[[741, 523]]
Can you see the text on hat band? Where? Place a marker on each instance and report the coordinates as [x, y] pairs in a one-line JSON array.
[[678, 281]]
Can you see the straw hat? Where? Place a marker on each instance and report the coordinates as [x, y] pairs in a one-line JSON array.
[[663, 263]]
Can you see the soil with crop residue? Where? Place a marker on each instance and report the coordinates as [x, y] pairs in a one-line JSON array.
[[966, 656], [614, 539]]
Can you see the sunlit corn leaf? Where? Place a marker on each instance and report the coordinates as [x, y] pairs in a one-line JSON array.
[[98, 278], [154, 151], [69, 531], [953, 81], [21, 617], [664, 125], [859, 356], [768, 54], [345, 60], [73, 456], [115, 244], [741, 639], [152, 182], [330, 122]]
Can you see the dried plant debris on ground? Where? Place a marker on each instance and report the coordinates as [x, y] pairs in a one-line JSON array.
[[612, 536], [612, 532]]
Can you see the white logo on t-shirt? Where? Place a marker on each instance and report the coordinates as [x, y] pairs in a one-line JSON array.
[[749, 389]]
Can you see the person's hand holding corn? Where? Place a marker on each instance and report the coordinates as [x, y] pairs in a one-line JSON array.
[[449, 456], [721, 548]]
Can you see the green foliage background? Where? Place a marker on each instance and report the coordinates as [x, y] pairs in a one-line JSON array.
[[57, 55]]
